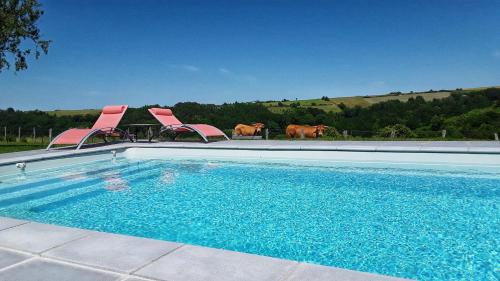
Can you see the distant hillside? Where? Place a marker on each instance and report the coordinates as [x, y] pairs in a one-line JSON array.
[[326, 104], [332, 104], [469, 114]]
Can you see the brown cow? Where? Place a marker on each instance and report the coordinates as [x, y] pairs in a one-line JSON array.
[[294, 131], [248, 130]]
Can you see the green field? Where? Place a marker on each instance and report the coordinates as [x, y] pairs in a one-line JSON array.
[[328, 106], [15, 147], [72, 112], [363, 101]]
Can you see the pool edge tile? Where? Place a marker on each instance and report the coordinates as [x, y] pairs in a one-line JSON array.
[[202, 263], [36, 238], [6, 223], [108, 251], [40, 269], [9, 257], [313, 272]]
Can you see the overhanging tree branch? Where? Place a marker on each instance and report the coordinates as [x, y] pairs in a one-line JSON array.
[[18, 20]]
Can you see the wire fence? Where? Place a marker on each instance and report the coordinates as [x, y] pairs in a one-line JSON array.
[[36, 135], [375, 135], [25, 135]]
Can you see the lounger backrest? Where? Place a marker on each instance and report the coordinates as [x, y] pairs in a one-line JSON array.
[[110, 116], [165, 116]]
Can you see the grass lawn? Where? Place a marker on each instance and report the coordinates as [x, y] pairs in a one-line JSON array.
[[14, 147]]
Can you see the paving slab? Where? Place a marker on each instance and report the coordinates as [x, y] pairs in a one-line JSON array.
[[200, 263], [311, 272], [36, 237], [112, 251], [42, 270], [8, 222], [8, 258]]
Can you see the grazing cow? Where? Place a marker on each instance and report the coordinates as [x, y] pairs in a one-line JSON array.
[[294, 131], [248, 130]]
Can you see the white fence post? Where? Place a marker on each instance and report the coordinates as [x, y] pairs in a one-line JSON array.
[[302, 133], [496, 136], [50, 135], [34, 134], [443, 134], [344, 133], [18, 134], [393, 134], [267, 133], [5, 133]]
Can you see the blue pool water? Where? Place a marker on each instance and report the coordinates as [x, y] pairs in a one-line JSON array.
[[417, 223]]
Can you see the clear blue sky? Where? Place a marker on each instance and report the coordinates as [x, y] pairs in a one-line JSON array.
[[147, 52]]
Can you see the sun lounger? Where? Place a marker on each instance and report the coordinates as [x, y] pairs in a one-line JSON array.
[[172, 124], [106, 125]]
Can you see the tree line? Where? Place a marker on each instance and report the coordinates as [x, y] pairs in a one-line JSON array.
[[474, 114]]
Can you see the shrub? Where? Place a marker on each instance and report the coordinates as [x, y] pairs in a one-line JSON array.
[[342, 106], [325, 98], [332, 132], [395, 93], [400, 131]]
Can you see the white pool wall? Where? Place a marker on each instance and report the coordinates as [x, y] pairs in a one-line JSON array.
[[323, 156], [53, 163], [405, 160]]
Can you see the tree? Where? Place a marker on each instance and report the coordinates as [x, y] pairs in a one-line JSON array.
[[437, 122], [397, 131], [18, 19]]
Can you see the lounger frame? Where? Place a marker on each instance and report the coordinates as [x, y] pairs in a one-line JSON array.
[[95, 132], [171, 128]]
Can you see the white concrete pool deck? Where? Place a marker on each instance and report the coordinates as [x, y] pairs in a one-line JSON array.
[[461, 147], [31, 251], [35, 251]]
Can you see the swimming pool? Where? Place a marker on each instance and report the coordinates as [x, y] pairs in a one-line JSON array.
[[417, 221]]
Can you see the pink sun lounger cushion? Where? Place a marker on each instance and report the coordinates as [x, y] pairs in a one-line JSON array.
[[110, 118], [167, 119]]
